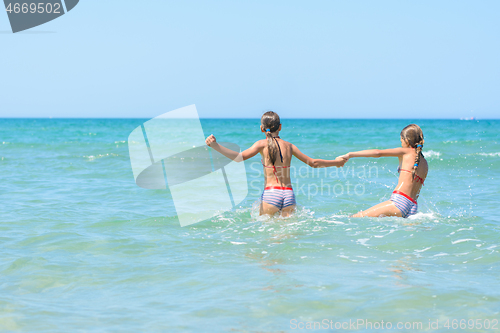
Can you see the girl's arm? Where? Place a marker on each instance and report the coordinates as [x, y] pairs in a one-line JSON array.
[[397, 152], [317, 163], [246, 154]]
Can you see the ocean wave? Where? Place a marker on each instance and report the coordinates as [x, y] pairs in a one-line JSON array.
[[92, 157], [421, 215], [431, 153], [489, 154], [465, 240], [461, 141], [423, 250]]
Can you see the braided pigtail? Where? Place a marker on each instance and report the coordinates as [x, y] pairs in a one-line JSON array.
[[418, 151], [414, 136], [271, 123]]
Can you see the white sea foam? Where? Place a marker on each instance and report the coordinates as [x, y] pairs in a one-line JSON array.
[[92, 157], [420, 215], [336, 222], [423, 250], [363, 241], [465, 240], [490, 154], [381, 236], [431, 153]]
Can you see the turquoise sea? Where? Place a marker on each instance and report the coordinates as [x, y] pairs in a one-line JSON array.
[[84, 249]]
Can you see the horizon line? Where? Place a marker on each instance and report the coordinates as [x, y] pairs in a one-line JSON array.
[[251, 118]]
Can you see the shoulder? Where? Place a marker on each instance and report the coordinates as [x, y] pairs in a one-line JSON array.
[[288, 144], [408, 153], [260, 143], [407, 150], [403, 151]]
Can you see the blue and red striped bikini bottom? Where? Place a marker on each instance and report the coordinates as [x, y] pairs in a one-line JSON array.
[[404, 203], [278, 196]]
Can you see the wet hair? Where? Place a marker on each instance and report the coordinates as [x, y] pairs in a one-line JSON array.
[[271, 123], [415, 137]]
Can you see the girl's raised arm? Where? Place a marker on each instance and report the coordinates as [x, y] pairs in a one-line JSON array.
[[317, 163], [396, 152], [246, 154]]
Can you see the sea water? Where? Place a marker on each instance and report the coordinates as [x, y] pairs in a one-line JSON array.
[[83, 248]]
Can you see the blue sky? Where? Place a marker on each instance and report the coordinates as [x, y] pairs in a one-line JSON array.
[[237, 59]]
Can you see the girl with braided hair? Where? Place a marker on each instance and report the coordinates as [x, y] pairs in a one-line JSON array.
[[276, 155], [412, 170]]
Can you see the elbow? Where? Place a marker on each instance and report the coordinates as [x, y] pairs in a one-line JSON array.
[[315, 164], [377, 153]]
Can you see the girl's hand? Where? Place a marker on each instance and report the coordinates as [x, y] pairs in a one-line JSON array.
[[346, 157], [211, 139], [341, 160]]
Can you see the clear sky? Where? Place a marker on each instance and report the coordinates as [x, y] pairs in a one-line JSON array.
[[303, 59]]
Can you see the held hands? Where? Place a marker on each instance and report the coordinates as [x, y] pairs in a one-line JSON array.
[[210, 140], [345, 157], [341, 161]]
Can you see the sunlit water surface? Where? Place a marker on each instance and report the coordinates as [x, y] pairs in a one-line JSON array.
[[83, 248]]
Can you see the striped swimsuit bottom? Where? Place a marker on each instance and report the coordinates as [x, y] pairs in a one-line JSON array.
[[404, 203], [278, 196]]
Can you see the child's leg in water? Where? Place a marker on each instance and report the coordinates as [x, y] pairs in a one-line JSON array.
[[386, 208], [268, 209], [287, 211]]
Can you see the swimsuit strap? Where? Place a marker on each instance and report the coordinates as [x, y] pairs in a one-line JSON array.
[[417, 177], [399, 170], [279, 166], [274, 169]]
